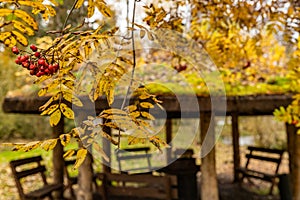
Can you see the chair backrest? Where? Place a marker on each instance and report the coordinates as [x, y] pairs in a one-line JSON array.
[[265, 154], [33, 166], [133, 157]]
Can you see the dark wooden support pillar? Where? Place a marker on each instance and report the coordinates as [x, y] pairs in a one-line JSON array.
[[236, 145], [209, 185], [107, 150], [294, 161], [58, 161], [169, 138]]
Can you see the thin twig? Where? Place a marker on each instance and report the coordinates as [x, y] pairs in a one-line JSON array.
[[68, 16], [133, 65]]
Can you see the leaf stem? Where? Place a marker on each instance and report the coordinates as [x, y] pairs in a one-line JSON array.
[[133, 65], [68, 16]]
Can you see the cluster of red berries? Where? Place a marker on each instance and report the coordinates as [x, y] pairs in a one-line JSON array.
[[34, 62]]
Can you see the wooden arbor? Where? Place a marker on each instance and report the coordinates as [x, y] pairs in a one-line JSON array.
[[236, 106]]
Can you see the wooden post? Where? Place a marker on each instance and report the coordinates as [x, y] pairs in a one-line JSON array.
[[209, 185], [294, 161], [107, 149], [85, 179], [85, 171], [169, 138], [57, 159], [236, 145]]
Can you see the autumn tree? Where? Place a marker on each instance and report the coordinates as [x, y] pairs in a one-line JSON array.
[[248, 41]]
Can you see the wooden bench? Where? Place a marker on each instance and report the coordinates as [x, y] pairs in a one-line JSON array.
[[138, 186], [28, 167], [264, 155]]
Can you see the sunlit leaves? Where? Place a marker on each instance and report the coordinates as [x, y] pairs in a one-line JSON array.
[[20, 23], [55, 117], [49, 144], [80, 157]]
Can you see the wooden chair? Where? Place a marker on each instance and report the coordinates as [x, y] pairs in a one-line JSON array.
[[269, 157], [34, 167]]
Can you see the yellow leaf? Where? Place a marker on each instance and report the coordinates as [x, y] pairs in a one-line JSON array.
[[142, 33], [5, 12], [65, 139], [132, 140], [87, 49], [23, 28], [26, 18], [146, 105], [72, 99], [49, 110], [79, 3], [81, 154], [100, 151], [42, 91], [147, 115], [55, 117], [150, 36], [69, 153], [67, 112], [110, 95], [135, 114], [105, 11], [20, 38], [31, 146], [113, 111], [49, 144], [131, 108], [4, 35], [91, 8]]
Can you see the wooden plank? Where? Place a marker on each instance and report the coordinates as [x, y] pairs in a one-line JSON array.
[[23, 161], [266, 150], [29, 172], [263, 158], [245, 105]]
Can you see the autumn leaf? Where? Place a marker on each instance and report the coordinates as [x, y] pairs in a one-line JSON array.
[[55, 117], [80, 157]]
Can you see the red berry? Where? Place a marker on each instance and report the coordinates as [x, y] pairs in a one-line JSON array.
[[17, 61], [15, 50], [23, 58], [25, 64], [32, 66], [41, 61], [33, 47], [37, 54], [47, 71], [32, 72]]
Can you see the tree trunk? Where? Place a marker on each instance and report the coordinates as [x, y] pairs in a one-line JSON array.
[[85, 179], [294, 155], [58, 160], [209, 185]]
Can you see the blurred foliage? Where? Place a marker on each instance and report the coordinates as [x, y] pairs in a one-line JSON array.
[[16, 126]]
